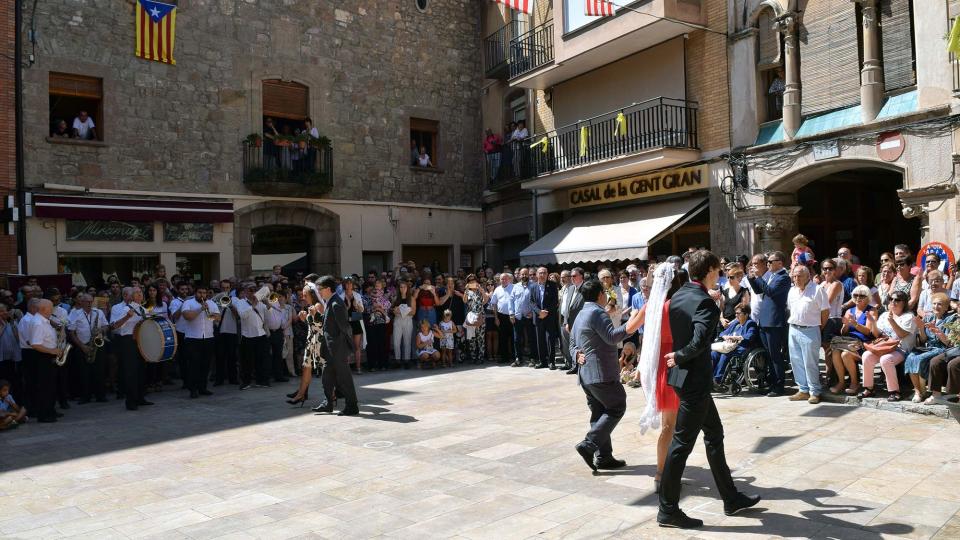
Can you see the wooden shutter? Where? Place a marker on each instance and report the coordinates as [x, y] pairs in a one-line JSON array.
[[896, 33], [829, 56], [768, 41], [419, 124], [285, 100], [65, 84]]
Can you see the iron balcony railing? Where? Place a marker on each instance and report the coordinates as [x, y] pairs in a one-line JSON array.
[[510, 165], [657, 123], [495, 53], [270, 164], [531, 50]]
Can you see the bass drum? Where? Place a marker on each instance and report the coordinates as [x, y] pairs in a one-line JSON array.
[[156, 339]]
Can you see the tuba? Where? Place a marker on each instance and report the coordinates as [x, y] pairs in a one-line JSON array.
[[97, 342], [62, 343], [222, 300]]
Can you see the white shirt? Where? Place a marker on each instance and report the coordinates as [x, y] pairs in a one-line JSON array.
[[424, 160], [119, 311], [228, 321], [519, 134], [502, 300], [755, 297], [274, 317], [251, 320], [201, 327], [84, 324], [43, 334], [805, 306], [906, 322], [25, 329], [83, 128], [174, 310]]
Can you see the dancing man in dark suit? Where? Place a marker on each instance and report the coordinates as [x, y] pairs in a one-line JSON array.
[[593, 343], [546, 300], [693, 321], [337, 349]]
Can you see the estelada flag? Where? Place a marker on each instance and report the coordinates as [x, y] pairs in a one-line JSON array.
[[156, 29]]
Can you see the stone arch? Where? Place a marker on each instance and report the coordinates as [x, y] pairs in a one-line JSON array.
[[324, 225], [793, 181], [773, 5]]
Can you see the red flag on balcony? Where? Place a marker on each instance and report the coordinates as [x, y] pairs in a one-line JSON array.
[[601, 8], [524, 6]]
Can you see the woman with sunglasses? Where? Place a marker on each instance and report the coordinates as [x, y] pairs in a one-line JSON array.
[[885, 284], [933, 340], [833, 290], [859, 323], [896, 323]]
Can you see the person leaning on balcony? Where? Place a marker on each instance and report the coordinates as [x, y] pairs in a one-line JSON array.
[[310, 164], [491, 147], [423, 160], [270, 149], [83, 127]]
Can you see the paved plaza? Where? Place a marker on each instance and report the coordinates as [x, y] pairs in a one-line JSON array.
[[466, 453]]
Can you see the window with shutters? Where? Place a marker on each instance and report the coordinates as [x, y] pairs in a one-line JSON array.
[[897, 44], [286, 105], [424, 139], [76, 106], [770, 74], [829, 56]]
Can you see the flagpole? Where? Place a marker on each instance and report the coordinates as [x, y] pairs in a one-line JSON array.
[[670, 19]]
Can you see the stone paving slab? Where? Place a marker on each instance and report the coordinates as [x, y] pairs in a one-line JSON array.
[[465, 453]]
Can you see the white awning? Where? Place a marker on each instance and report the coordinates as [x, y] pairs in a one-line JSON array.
[[611, 235]]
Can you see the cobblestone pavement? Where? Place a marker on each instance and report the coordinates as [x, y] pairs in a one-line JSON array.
[[470, 453]]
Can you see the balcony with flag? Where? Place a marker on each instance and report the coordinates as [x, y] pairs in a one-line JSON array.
[[653, 134], [298, 167], [584, 35]]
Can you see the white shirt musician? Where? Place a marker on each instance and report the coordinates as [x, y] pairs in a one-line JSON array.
[[43, 334], [128, 311], [86, 321], [252, 323], [275, 315], [199, 323], [25, 329]]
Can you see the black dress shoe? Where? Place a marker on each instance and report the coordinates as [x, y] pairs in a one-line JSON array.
[[64, 405], [83, 401], [775, 393], [540, 366], [206, 393], [131, 407], [586, 451], [741, 503], [59, 415], [553, 367], [573, 370], [609, 463], [218, 383], [194, 394], [354, 411], [323, 407], [102, 400], [678, 520], [144, 402]]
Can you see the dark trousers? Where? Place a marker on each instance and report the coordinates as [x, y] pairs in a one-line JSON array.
[[775, 340], [62, 374], [226, 358], [504, 338], [524, 338], [255, 360], [46, 386], [565, 347], [377, 346], [336, 376], [546, 339], [198, 353], [276, 354], [28, 376], [183, 360], [133, 371], [945, 372], [697, 412], [92, 376], [608, 403]]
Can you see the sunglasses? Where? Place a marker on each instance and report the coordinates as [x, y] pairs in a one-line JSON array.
[[859, 296], [773, 260], [828, 268]]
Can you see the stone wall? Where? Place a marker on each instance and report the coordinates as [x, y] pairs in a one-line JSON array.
[[370, 65]]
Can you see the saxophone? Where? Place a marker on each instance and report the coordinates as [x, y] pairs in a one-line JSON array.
[[62, 342]]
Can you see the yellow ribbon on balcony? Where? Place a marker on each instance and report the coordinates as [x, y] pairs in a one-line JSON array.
[[583, 141], [543, 143], [953, 45], [620, 128]]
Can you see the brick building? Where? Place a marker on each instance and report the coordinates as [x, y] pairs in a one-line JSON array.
[[8, 145], [177, 172], [628, 122]]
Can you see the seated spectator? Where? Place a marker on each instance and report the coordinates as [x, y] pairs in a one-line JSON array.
[[935, 284], [845, 350], [84, 128], [933, 340], [423, 159], [864, 276], [60, 130], [11, 414], [744, 331], [898, 325]]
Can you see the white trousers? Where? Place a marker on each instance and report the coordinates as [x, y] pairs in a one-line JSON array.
[[403, 338]]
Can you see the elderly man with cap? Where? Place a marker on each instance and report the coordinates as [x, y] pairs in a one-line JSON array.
[[254, 344]]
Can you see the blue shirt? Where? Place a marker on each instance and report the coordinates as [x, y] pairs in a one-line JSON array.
[[522, 307], [637, 302], [9, 344]]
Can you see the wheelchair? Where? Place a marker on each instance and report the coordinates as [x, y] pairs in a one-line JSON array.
[[745, 370]]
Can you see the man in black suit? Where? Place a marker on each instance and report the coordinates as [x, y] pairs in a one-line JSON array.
[[572, 304], [693, 321], [546, 300], [337, 349], [774, 285]]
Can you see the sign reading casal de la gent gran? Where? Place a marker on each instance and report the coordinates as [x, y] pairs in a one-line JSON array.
[[638, 187]]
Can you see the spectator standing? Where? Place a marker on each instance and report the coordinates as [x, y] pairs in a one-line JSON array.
[[491, 147], [809, 310], [772, 313], [524, 339], [377, 307], [502, 303]]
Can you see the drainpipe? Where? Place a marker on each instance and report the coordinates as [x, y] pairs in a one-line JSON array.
[[871, 75]]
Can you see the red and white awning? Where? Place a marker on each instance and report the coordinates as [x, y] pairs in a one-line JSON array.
[[113, 209]]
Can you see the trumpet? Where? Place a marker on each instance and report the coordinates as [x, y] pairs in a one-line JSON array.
[[273, 298], [222, 299]]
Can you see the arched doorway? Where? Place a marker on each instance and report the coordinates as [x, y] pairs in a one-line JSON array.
[[859, 208], [300, 236]]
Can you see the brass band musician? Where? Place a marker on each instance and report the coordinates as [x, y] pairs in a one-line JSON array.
[[87, 326], [197, 317]]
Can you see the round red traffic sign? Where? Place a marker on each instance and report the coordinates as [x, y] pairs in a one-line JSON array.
[[890, 145]]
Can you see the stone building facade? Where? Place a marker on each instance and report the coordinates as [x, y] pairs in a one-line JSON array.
[[369, 71], [9, 262]]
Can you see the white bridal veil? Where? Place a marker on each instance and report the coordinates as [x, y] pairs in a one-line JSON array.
[[649, 362]]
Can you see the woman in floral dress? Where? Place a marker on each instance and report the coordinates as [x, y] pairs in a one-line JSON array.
[[313, 317], [475, 299]]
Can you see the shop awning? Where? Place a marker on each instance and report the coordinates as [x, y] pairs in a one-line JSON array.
[[104, 209], [610, 235]]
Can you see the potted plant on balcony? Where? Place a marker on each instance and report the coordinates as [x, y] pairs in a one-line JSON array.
[[254, 139], [302, 139], [283, 140], [320, 142]]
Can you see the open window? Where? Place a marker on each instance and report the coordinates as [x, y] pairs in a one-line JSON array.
[[424, 135], [76, 106], [770, 74]]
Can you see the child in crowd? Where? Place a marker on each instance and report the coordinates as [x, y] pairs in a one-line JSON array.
[[802, 254], [425, 351], [11, 414], [447, 330]]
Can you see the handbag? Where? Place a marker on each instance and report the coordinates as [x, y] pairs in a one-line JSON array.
[[846, 343], [723, 347], [882, 346]]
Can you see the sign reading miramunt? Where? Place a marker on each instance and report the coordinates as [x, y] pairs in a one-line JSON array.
[[639, 187]]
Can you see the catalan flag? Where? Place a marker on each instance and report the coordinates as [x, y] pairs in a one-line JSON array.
[[156, 27], [523, 6]]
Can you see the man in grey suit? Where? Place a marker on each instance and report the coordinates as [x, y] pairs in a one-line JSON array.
[[569, 308], [336, 348], [593, 343]]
